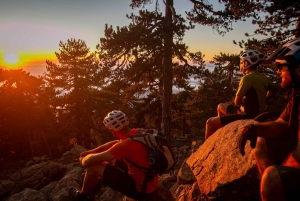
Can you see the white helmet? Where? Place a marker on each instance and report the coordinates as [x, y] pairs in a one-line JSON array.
[[115, 120], [288, 54], [253, 57]]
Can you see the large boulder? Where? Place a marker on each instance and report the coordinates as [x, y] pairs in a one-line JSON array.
[[220, 170]]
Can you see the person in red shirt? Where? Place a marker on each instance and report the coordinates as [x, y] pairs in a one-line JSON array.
[[123, 176], [279, 181]]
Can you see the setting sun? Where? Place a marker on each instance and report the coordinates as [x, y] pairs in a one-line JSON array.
[[11, 58]]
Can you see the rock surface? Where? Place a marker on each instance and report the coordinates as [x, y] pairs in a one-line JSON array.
[[221, 172], [213, 170]]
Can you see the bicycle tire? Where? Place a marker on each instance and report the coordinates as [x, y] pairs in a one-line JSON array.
[[268, 116]]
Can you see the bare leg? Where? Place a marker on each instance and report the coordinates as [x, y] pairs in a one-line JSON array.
[[212, 124], [91, 178], [222, 108], [271, 188], [261, 155]]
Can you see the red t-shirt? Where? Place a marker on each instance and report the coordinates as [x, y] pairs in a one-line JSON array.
[[286, 115], [137, 153], [293, 159]]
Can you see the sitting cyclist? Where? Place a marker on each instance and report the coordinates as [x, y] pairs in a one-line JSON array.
[[279, 181], [123, 176], [254, 90]]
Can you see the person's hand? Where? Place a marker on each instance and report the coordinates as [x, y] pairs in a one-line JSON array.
[[82, 155], [85, 153], [249, 133], [80, 160]]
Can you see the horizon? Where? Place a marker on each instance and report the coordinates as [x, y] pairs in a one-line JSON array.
[[32, 29]]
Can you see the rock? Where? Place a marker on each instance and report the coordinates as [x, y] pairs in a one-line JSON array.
[[185, 175], [221, 172], [72, 178], [48, 189], [110, 195], [28, 195], [188, 192], [6, 186], [161, 194]]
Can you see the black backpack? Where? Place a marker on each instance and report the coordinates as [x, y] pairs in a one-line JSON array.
[[161, 156]]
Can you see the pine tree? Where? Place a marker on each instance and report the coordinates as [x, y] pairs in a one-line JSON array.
[[74, 80]]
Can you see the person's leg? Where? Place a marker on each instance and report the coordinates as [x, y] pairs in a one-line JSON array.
[[271, 151], [212, 124], [280, 183], [122, 182], [90, 182], [271, 188], [91, 178], [261, 155], [222, 109]]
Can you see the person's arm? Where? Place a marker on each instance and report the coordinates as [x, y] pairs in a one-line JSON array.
[[271, 129], [94, 159], [99, 149], [272, 91], [238, 100]]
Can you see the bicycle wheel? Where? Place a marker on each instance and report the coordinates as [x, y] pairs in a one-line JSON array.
[[268, 116]]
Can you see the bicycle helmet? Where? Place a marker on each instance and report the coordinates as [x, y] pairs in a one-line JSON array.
[[115, 120], [288, 54], [253, 58]]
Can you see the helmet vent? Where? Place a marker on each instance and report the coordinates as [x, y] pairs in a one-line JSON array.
[[116, 120]]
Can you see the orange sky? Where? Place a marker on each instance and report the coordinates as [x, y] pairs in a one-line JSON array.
[[31, 30]]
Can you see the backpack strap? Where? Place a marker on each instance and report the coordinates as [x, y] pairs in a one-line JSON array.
[[142, 169], [149, 174]]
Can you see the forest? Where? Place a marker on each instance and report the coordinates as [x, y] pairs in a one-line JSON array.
[[143, 69]]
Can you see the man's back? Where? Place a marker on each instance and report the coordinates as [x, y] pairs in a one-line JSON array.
[[253, 89]]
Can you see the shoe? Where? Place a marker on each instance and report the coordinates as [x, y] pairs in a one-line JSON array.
[[75, 195]]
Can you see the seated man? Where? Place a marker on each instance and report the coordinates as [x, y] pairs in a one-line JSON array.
[[280, 182], [128, 180], [255, 89]]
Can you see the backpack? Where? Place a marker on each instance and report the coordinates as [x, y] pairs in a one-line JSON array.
[[161, 156]]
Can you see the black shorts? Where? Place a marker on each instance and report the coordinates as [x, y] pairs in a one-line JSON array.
[[119, 180], [290, 179], [232, 109]]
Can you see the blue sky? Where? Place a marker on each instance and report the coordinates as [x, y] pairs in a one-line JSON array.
[[32, 29]]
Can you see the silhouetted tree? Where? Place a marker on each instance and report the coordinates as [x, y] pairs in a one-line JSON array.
[[74, 80], [133, 55], [275, 18]]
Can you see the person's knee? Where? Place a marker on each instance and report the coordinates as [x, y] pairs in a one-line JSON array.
[[270, 175], [221, 108], [96, 170], [270, 182], [210, 122]]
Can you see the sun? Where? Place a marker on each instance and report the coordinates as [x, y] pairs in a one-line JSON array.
[[11, 58]]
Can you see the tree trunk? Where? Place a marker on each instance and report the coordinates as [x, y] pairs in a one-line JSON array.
[[298, 27], [167, 71]]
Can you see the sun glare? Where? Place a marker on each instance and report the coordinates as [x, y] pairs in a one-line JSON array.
[[11, 58]]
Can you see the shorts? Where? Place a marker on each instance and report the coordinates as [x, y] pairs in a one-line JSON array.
[[232, 109], [290, 179], [119, 180]]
